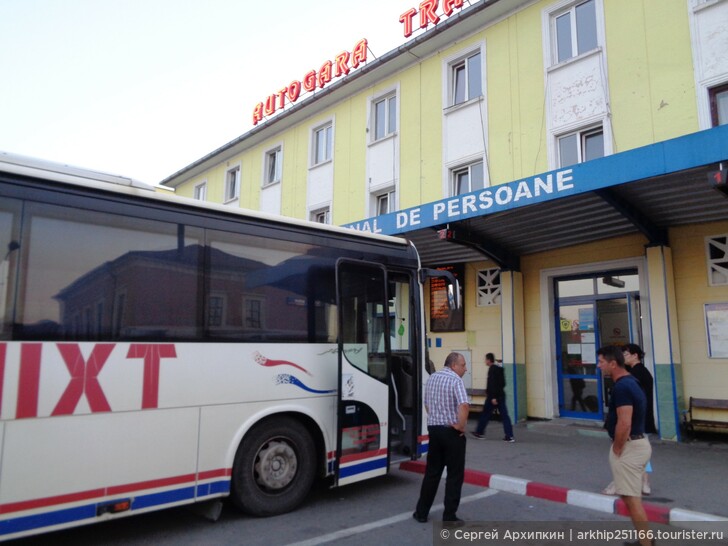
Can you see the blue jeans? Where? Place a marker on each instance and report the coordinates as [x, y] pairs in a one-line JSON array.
[[488, 411]]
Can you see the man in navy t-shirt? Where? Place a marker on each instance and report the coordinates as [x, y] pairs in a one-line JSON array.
[[625, 424]]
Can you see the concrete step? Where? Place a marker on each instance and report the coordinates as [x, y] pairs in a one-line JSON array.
[[568, 427]]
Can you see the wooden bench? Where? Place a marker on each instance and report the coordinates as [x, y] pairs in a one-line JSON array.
[[475, 406], [703, 413]]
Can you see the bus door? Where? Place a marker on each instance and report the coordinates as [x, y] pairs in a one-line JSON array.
[[405, 408], [364, 372]]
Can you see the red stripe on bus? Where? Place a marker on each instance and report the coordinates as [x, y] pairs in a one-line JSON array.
[[50, 501], [365, 455], [151, 484], [219, 473], [114, 490]]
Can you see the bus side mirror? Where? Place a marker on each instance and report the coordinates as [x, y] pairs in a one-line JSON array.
[[454, 299], [453, 294]]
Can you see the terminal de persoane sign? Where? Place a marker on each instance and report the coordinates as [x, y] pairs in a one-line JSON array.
[[469, 205], [345, 61]]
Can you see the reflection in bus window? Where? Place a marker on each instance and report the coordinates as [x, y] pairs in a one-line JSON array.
[[269, 290], [89, 275], [9, 247]]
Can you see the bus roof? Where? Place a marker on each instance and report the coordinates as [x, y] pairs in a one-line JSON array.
[[61, 172], [78, 176]]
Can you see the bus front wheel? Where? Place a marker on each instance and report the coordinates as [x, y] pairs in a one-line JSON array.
[[274, 467]]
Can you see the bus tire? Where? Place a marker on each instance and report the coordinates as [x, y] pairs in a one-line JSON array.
[[274, 467]]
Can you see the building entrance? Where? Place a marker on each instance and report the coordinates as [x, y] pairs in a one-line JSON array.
[[591, 312]]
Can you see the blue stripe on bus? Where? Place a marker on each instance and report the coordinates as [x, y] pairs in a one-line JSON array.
[[366, 466], [88, 511], [36, 521], [213, 488], [165, 497]]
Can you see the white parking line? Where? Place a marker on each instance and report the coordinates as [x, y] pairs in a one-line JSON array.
[[351, 531]]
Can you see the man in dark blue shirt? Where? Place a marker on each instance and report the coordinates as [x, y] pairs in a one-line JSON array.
[[630, 449]]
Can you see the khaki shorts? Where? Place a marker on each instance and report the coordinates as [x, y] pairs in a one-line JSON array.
[[628, 468]]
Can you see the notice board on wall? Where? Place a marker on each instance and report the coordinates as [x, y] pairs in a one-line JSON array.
[[442, 317], [716, 323]]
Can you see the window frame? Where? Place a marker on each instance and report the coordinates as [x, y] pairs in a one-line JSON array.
[[271, 178], [570, 8], [209, 323], [328, 128], [713, 93], [390, 118], [453, 66], [316, 215], [200, 191], [582, 134], [236, 184], [460, 169], [248, 319], [391, 196]]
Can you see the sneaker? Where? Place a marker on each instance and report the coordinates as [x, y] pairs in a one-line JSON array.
[[509, 439], [478, 436], [646, 489]]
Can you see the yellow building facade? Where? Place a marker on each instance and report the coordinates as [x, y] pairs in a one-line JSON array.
[[563, 150]]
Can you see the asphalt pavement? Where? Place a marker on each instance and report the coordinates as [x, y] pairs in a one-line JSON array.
[[566, 461]]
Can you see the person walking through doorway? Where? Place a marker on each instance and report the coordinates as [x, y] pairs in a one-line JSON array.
[[495, 397], [630, 450], [446, 402]]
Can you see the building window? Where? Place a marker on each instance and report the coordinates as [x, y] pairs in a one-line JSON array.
[[322, 138], [467, 179], [581, 146], [273, 166], [385, 117], [466, 79], [119, 310], [215, 309], [232, 184], [253, 313], [716, 249], [719, 105], [385, 202], [575, 30], [488, 287], [321, 216], [201, 191]]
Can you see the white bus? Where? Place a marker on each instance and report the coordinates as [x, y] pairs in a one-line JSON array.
[[157, 351]]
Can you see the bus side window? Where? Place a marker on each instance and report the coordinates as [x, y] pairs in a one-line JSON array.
[[269, 289], [9, 252], [89, 275]]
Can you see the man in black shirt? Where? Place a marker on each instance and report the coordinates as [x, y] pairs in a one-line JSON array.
[[495, 397]]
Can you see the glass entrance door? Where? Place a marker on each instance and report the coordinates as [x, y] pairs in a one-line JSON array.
[[592, 312], [580, 393]]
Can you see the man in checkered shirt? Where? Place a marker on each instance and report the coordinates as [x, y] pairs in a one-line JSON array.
[[446, 402]]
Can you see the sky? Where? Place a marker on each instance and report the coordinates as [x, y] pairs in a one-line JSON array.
[[143, 88]]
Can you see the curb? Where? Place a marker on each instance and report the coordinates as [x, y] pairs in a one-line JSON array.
[[584, 499]]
